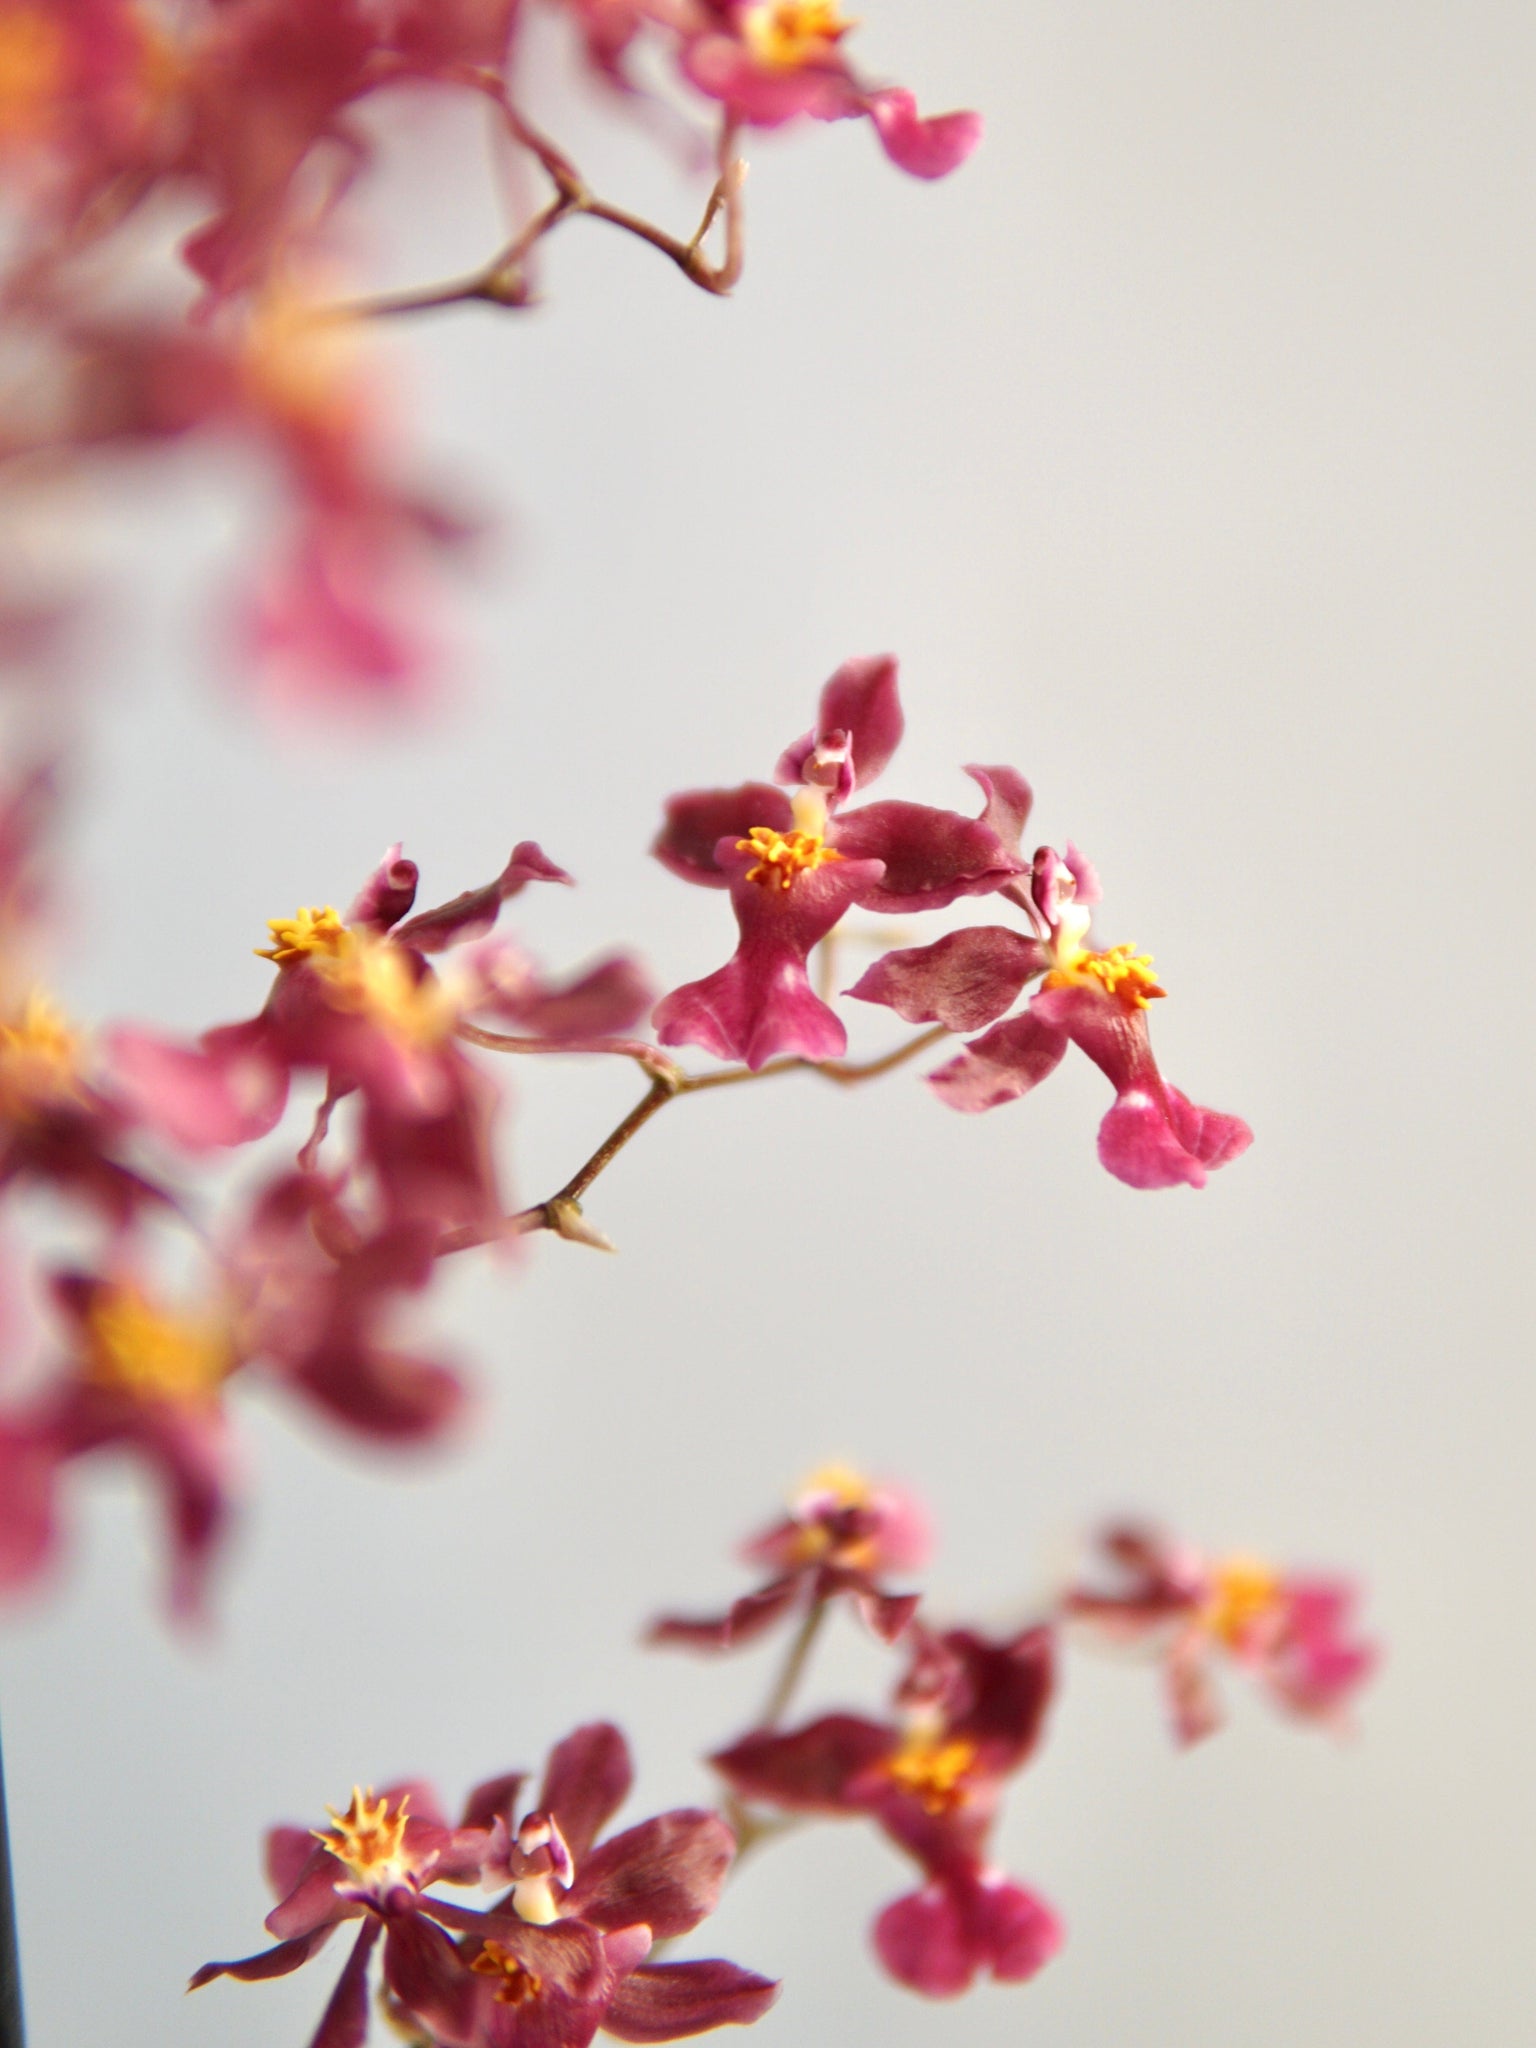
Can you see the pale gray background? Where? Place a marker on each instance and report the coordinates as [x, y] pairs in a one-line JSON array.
[[1181, 446]]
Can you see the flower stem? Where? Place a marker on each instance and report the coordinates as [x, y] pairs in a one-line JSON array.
[[667, 1081], [12, 2032], [785, 1686]]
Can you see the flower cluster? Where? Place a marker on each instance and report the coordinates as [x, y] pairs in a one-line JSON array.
[[562, 1948], [969, 1708], [1291, 1631], [795, 864], [382, 1015], [258, 119], [304, 1279]]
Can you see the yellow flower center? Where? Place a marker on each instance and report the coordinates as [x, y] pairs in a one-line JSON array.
[[1122, 972], [838, 1488], [933, 1769], [38, 1059], [34, 63], [848, 1488], [304, 934], [299, 366], [517, 1983], [369, 1837], [783, 34], [1244, 1590], [134, 1348], [783, 855], [363, 972]]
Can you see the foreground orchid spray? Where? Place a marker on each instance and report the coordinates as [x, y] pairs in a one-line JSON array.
[[271, 1202]]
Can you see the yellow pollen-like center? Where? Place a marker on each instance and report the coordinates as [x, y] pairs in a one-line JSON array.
[[34, 61], [369, 1837], [848, 1488], [1244, 1590], [303, 368], [364, 972], [1122, 972], [517, 1982], [304, 934], [783, 34], [134, 1348], [783, 855], [933, 1770], [38, 1058]]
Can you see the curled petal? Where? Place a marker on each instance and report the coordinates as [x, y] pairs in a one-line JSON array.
[[665, 2001], [387, 895], [471, 915], [963, 981], [1008, 801], [859, 720], [695, 823], [272, 1962], [1007, 1062], [926, 148]]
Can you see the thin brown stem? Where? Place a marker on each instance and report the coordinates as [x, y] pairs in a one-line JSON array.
[[503, 280], [785, 1686], [562, 1212]]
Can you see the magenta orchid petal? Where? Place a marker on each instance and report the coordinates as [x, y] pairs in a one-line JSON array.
[[226, 1091], [29, 1462], [423, 1969], [344, 2023], [695, 822], [860, 712], [747, 1618], [1194, 1705], [930, 857], [761, 1003], [816, 1769], [288, 1852], [604, 1002], [1163, 1140], [1007, 1062], [312, 1903], [963, 981], [387, 895], [888, 1615], [667, 2001], [928, 147], [494, 1799], [722, 67], [472, 914], [272, 1962], [586, 1781], [1008, 801], [667, 1872], [937, 1940]]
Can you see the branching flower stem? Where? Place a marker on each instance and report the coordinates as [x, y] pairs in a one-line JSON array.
[[562, 1211], [504, 281]]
